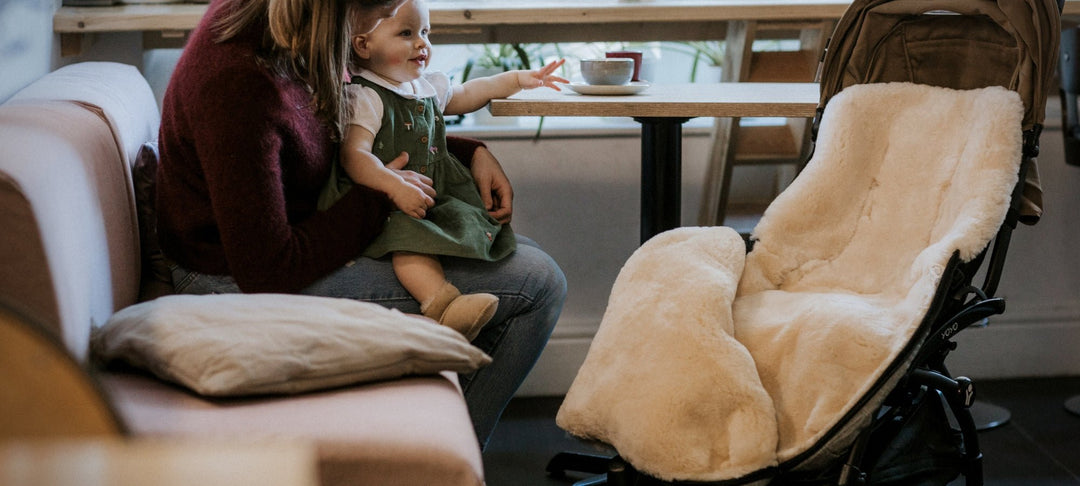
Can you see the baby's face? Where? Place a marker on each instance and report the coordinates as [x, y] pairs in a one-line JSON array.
[[398, 49]]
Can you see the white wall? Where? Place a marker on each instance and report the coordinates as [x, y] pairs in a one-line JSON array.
[[29, 49], [26, 42], [578, 197]]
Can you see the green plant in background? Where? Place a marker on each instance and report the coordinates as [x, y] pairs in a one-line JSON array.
[[712, 52], [501, 57]]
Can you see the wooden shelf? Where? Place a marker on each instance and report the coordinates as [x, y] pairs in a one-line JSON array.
[[138, 17], [482, 22], [128, 18], [463, 22], [555, 15]]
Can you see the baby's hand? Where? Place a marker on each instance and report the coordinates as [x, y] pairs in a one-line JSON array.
[[411, 200], [542, 77]]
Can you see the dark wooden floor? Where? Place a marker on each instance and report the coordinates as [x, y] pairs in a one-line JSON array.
[[1039, 445]]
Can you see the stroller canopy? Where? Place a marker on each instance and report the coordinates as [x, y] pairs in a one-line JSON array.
[[959, 44]]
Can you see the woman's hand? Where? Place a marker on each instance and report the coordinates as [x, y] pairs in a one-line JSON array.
[[415, 195], [542, 77], [494, 186]]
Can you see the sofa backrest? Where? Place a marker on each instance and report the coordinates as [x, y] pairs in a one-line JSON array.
[[69, 239]]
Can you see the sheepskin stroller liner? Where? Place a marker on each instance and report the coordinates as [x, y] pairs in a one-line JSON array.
[[959, 44]]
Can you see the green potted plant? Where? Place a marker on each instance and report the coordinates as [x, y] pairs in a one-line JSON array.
[[707, 56], [497, 58]]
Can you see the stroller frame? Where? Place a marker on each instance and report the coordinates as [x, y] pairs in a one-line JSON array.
[[920, 377]]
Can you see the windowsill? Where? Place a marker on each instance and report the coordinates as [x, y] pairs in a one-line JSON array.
[[553, 127], [522, 128]]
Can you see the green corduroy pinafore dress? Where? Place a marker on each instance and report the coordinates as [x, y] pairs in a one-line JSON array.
[[458, 225]]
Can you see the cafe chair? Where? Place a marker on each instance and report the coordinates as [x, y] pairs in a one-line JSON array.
[[819, 357]]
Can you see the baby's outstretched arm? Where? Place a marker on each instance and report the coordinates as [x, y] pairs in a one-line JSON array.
[[476, 93], [364, 168]]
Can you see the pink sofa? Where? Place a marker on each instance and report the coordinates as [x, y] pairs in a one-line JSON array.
[[70, 257]]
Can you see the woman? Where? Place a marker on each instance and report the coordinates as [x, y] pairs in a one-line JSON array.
[[251, 125]]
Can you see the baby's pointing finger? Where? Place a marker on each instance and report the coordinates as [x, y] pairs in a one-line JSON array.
[[551, 67]]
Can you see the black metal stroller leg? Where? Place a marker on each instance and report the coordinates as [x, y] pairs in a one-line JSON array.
[[973, 474], [959, 393]]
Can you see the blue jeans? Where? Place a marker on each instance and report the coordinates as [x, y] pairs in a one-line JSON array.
[[531, 289]]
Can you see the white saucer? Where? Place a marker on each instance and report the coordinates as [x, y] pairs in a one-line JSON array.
[[633, 87]]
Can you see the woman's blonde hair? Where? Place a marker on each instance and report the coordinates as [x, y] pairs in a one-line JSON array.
[[306, 39]]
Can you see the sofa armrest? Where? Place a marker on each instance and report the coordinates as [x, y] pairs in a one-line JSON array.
[[67, 142], [78, 241], [117, 92]]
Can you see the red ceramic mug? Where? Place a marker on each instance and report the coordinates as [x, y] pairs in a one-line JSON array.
[[635, 55]]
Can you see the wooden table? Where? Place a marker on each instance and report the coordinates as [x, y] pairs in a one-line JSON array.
[[661, 110]]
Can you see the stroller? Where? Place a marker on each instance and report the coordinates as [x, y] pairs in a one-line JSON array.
[[909, 422]]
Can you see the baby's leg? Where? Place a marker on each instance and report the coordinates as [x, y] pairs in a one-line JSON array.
[[422, 275]]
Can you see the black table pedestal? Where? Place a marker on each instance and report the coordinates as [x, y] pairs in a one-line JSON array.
[[661, 174]]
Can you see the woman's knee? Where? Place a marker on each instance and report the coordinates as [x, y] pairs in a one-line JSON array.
[[544, 281]]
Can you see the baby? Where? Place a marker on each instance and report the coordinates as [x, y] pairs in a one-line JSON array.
[[397, 106]]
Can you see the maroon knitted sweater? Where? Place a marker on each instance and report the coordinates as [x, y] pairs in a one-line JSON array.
[[243, 158]]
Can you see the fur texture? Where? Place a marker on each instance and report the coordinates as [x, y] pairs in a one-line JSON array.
[[690, 379], [665, 362]]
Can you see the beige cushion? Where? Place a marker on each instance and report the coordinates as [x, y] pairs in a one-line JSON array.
[[240, 344], [412, 431]]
